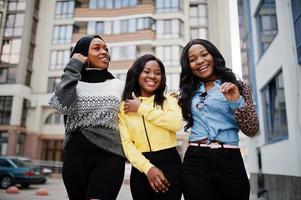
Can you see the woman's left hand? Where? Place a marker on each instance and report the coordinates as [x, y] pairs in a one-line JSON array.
[[230, 91], [132, 105]]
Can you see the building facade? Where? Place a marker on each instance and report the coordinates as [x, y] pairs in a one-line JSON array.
[[131, 28], [273, 37]]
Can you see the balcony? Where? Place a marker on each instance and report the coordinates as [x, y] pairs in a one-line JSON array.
[[139, 9], [125, 37]]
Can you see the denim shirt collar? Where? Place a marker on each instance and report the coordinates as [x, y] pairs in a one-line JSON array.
[[201, 88]]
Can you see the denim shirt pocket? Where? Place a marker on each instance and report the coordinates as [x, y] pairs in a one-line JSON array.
[[218, 102]]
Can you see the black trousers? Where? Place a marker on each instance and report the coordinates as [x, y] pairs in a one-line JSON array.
[[214, 174], [89, 172], [167, 160]]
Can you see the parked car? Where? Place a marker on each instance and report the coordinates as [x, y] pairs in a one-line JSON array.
[[45, 171], [14, 170]]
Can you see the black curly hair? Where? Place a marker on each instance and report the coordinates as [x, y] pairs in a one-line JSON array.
[[189, 82], [132, 79]]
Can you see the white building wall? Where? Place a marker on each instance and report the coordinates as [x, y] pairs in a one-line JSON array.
[[284, 157]]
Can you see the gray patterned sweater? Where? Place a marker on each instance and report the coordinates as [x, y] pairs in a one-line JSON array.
[[91, 108]]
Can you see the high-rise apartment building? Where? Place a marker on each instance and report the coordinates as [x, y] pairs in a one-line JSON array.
[[273, 36], [131, 28]]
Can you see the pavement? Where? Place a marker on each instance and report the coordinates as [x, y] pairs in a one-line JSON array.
[[57, 190]]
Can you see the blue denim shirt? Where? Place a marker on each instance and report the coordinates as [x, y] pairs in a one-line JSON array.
[[215, 120]]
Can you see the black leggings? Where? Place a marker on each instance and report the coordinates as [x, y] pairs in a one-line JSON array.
[[214, 174], [89, 172], [169, 162]]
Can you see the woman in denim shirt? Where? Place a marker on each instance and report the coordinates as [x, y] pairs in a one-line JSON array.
[[215, 106]]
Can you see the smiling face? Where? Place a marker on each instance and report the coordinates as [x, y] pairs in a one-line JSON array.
[[201, 62], [98, 54], [150, 78]]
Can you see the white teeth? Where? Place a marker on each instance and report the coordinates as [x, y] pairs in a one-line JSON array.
[[150, 83]]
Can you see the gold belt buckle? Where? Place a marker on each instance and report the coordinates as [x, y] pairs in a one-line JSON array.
[[214, 145]]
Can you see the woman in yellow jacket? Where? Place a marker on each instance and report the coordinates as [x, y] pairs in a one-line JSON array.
[[148, 125]]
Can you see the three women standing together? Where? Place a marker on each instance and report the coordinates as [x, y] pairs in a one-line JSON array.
[[214, 104]]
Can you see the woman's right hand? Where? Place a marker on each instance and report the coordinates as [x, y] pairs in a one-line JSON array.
[[157, 180], [80, 57]]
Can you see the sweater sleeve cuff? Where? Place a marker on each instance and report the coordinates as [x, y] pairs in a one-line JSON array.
[[76, 64], [147, 167], [240, 103]]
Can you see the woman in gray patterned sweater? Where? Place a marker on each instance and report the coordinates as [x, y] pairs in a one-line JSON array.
[[89, 97]]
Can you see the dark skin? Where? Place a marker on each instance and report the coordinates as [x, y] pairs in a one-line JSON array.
[[155, 176], [149, 81], [202, 65]]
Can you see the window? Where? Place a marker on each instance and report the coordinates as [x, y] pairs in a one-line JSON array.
[[3, 143], [172, 28], [172, 82], [55, 118], [14, 5], [199, 33], [58, 59], [8, 75], [296, 7], [64, 9], [103, 4], [25, 107], [52, 150], [198, 15], [62, 34], [52, 82], [5, 109], [10, 51], [20, 144], [170, 55], [14, 24], [275, 119], [168, 5], [123, 53], [267, 24]]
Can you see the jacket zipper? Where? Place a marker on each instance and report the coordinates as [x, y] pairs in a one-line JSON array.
[[145, 130]]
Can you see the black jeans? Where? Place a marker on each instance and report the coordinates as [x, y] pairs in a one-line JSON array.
[[89, 172], [169, 162], [214, 174]]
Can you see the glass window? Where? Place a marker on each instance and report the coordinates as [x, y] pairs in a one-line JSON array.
[[169, 55], [3, 143], [123, 53], [102, 4], [10, 51], [168, 5], [124, 26], [172, 82], [198, 15], [52, 82], [199, 33], [64, 9], [296, 7], [8, 75], [55, 118], [14, 24], [169, 29], [275, 119], [267, 24], [52, 150], [58, 59], [5, 109], [16, 5], [116, 27], [62, 34]]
